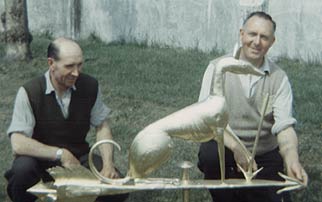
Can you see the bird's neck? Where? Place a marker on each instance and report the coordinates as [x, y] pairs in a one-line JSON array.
[[217, 83]]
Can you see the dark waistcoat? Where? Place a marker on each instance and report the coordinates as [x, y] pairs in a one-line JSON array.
[[51, 127]]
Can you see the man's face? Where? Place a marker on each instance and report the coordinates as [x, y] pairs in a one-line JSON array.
[[65, 71], [257, 36]]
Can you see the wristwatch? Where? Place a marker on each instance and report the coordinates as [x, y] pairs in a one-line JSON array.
[[59, 154]]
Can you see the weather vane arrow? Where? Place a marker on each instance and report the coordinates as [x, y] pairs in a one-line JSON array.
[[79, 184]]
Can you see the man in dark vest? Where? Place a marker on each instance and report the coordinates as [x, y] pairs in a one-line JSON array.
[[244, 95], [51, 118]]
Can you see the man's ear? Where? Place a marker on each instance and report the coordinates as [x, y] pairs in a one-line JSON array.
[[50, 62], [272, 42], [241, 33], [274, 39]]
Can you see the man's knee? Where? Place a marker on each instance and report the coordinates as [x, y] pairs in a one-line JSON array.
[[23, 169], [208, 155], [209, 160], [22, 175]]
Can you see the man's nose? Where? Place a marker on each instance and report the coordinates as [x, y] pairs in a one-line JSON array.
[[75, 72], [257, 40]]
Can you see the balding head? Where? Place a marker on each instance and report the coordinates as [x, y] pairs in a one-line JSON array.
[[65, 61], [63, 47], [263, 15]]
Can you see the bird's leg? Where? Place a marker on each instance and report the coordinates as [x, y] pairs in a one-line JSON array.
[[221, 152]]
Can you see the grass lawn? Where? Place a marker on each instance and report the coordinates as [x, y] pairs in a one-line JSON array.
[[143, 84]]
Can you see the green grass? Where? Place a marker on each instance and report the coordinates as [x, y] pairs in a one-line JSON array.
[[142, 84]]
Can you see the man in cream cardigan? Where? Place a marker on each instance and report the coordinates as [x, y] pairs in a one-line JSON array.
[[278, 143]]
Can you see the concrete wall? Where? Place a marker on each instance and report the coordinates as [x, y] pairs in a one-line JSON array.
[[299, 32], [202, 24]]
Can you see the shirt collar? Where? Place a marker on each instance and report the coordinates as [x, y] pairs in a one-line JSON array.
[[265, 66], [49, 86]]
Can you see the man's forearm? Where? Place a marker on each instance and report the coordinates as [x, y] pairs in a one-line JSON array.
[[233, 142], [288, 145], [103, 133], [22, 145]]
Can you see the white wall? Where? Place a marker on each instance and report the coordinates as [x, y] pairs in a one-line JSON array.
[[203, 24], [299, 31]]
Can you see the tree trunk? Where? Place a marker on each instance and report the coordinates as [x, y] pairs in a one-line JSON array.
[[17, 35], [76, 7]]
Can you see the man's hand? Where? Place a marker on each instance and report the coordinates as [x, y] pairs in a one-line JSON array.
[[68, 160], [295, 170], [288, 143], [110, 172], [241, 154], [241, 159]]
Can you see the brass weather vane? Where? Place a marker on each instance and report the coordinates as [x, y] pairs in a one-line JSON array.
[[152, 147]]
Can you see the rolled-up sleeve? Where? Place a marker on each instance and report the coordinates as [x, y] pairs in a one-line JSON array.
[[283, 107], [100, 111], [23, 120]]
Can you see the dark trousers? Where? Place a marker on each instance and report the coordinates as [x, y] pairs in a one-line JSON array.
[[27, 171], [271, 161]]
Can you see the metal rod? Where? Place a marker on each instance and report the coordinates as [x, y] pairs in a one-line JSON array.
[[263, 111], [185, 178]]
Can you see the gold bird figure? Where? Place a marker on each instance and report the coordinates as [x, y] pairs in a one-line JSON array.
[[199, 122]]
